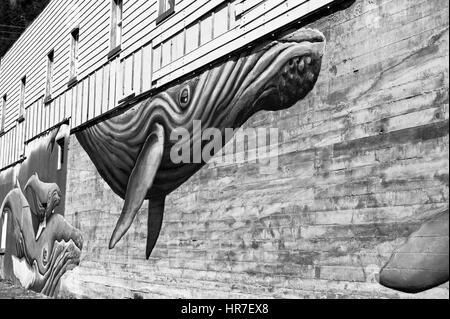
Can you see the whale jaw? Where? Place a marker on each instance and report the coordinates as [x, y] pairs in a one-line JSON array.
[[294, 71]]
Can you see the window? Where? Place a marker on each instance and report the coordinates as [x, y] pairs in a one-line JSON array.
[[23, 88], [50, 66], [60, 143], [2, 119], [3, 231], [116, 24], [75, 36], [166, 8]]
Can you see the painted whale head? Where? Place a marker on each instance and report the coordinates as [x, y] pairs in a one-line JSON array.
[[272, 76], [285, 73]]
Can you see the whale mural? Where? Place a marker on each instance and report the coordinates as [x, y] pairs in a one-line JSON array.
[[40, 244], [421, 263], [131, 151], [43, 253]]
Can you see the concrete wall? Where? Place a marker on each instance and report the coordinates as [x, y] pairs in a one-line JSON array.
[[364, 161]]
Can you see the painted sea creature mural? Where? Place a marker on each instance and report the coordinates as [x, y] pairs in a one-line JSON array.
[[42, 198], [422, 262], [132, 150], [40, 244], [46, 246]]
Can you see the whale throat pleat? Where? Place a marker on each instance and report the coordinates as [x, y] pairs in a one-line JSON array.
[[140, 181]]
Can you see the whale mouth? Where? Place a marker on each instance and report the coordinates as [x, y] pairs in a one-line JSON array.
[[294, 64], [298, 77]]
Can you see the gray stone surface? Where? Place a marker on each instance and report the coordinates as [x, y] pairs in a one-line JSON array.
[[10, 291]]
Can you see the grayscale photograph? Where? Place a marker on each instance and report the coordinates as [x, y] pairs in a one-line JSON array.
[[258, 151]]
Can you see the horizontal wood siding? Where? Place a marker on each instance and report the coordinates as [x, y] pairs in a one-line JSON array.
[[258, 18], [12, 145], [28, 55]]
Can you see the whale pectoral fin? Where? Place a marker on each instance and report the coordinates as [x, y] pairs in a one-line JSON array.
[[140, 181], [154, 223]]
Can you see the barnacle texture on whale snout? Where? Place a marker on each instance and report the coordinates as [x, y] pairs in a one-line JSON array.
[[298, 78], [132, 150]]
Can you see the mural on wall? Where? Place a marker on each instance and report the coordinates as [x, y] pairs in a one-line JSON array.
[[422, 262], [131, 151], [40, 244]]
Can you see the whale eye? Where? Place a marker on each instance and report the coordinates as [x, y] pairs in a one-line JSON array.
[[185, 96]]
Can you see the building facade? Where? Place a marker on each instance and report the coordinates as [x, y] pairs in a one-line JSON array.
[[362, 164]]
